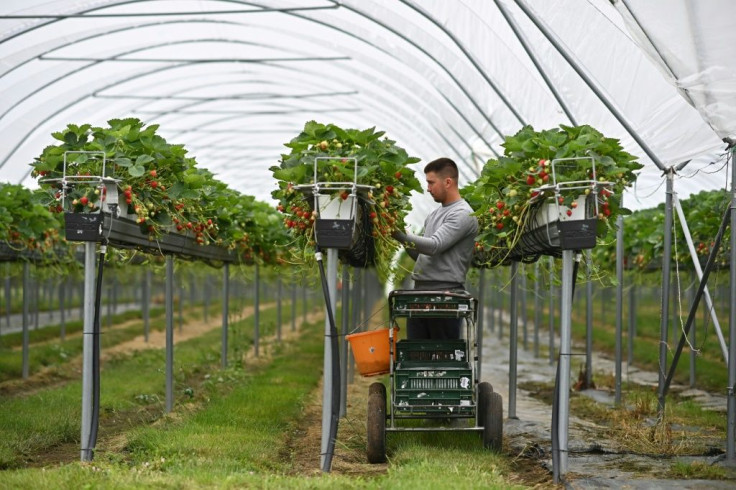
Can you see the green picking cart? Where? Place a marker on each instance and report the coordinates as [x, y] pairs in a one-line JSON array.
[[433, 379]]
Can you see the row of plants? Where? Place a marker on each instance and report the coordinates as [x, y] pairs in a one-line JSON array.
[[644, 234], [160, 188], [537, 168], [26, 225], [381, 164]]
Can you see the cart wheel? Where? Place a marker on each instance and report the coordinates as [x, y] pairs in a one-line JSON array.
[[376, 447], [377, 388], [484, 395], [493, 427]]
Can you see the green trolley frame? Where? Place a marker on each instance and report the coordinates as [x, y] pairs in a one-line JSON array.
[[433, 379]]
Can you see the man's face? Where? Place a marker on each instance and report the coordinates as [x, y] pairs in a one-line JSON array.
[[437, 186]]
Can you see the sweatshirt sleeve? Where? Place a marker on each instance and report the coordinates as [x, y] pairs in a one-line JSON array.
[[455, 227]]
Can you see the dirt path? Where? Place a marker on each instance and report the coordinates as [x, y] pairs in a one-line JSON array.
[[594, 460]]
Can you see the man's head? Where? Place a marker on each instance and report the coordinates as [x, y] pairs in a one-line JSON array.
[[442, 180]]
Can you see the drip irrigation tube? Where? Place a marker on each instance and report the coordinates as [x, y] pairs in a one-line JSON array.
[[334, 347], [96, 354]]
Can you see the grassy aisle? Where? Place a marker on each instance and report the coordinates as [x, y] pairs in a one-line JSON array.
[[236, 428]]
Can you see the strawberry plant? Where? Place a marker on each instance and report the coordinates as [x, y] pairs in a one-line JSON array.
[[160, 188], [644, 237], [25, 222], [381, 164], [512, 188]]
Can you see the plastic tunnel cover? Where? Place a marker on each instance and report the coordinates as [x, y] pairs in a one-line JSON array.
[[234, 80]]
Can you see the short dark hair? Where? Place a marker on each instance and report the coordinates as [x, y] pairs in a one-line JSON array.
[[443, 167]]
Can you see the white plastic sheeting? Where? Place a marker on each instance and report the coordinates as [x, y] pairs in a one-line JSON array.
[[233, 80]]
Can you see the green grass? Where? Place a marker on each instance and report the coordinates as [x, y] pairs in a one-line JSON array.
[[31, 423], [232, 431]]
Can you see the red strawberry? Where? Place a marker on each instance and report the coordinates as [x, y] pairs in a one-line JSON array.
[[154, 184], [397, 175], [83, 200], [390, 189], [569, 212], [499, 225], [530, 180], [344, 195], [153, 173], [500, 204]]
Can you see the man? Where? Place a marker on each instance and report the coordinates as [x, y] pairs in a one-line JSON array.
[[444, 252]]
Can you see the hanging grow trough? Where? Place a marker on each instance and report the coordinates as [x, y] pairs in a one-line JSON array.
[[336, 204], [554, 226], [87, 226]]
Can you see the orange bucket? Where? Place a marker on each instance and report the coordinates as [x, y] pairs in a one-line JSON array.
[[371, 351]]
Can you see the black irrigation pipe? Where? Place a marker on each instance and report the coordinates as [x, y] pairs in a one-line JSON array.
[[92, 443]]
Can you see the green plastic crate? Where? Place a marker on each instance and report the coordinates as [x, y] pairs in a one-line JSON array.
[[446, 390], [408, 303], [411, 352]]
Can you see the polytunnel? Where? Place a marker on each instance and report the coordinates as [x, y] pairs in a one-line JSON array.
[[233, 81]]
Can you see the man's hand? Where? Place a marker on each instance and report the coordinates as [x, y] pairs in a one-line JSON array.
[[398, 235]]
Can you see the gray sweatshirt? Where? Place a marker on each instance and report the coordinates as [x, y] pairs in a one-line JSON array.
[[443, 254]]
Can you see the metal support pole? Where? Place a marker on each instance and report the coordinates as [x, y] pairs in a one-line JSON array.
[[180, 305], [257, 311], [344, 312], [731, 404], [108, 306], [278, 307], [513, 341], [36, 306], [304, 304], [293, 306], [619, 306], [62, 310], [665, 304], [26, 314], [146, 304], [632, 323], [327, 366], [492, 306], [500, 312], [169, 300], [207, 299], [481, 315], [565, 344], [589, 319], [524, 322], [8, 294], [537, 308], [225, 312], [355, 311], [88, 350], [551, 310]]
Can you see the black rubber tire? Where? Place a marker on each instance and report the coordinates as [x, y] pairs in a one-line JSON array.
[[493, 428], [377, 388], [483, 398], [376, 428]]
